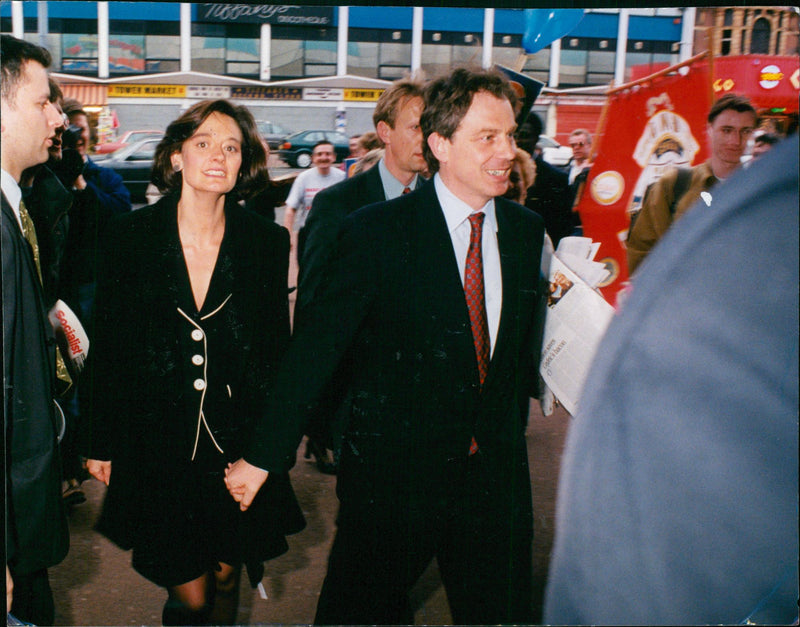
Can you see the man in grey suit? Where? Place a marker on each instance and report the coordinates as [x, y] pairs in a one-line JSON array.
[[431, 304]]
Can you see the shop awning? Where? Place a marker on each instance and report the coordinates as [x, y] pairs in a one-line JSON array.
[[87, 95]]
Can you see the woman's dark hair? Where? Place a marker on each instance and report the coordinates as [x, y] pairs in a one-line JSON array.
[[253, 173]]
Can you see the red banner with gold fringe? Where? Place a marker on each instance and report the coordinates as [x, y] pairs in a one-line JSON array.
[[650, 125]]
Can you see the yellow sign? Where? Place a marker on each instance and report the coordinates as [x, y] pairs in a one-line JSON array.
[[147, 91], [363, 95]]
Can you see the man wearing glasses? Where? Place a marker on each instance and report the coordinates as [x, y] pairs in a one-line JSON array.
[[580, 140]]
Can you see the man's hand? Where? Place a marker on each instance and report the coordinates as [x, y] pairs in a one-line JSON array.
[[100, 470], [9, 589], [243, 481]]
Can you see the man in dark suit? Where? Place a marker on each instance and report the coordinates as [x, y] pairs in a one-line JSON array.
[[36, 525], [396, 120], [434, 461]]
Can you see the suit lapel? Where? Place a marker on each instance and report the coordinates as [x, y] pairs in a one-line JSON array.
[[511, 257], [439, 280]]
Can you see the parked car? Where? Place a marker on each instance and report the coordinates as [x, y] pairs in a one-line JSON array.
[[296, 148], [128, 137], [133, 163], [272, 132], [553, 152]]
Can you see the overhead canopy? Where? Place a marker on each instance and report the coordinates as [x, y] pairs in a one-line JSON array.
[[88, 95]]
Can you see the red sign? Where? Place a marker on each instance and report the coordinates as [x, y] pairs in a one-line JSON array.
[[771, 82], [648, 128]]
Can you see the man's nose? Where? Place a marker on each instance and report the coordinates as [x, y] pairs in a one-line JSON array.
[[54, 117]]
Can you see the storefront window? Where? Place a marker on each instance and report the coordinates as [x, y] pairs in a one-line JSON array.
[[242, 57], [573, 67], [395, 60], [163, 53], [79, 53], [436, 58], [287, 58], [208, 54], [362, 58], [126, 54]]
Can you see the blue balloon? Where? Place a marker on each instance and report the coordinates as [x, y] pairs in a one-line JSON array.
[[544, 26]]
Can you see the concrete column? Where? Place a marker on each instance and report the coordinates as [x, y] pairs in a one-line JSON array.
[[265, 70], [488, 37], [102, 40], [555, 63], [42, 22], [17, 19], [341, 43], [416, 40], [687, 33], [622, 47], [186, 37]]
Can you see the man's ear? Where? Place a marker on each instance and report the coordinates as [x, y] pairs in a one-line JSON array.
[[382, 129], [440, 147]]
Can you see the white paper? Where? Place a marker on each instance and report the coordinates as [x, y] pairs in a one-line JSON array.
[[67, 324], [577, 318]]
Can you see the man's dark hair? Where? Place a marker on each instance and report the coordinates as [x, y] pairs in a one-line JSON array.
[[72, 107], [14, 54], [767, 138], [527, 135], [321, 142], [253, 174], [449, 97], [733, 102], [56, 95]]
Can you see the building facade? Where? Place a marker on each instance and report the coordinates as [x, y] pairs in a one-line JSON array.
[[306, 66]]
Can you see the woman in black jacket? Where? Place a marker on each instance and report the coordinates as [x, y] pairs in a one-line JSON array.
[[192, 319]]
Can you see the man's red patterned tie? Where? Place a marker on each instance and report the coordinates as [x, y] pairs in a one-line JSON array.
[[476, 301]]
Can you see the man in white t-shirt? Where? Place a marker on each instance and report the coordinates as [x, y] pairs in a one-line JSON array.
[[308, 183]]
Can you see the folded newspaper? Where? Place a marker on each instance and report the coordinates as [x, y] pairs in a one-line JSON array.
[[577, 318], [70, 334]]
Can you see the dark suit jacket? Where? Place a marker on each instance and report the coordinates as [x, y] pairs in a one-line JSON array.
[[144, 410], [36, 524], [329, 208], [392, 310]]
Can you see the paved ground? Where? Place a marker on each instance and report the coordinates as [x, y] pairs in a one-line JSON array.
[[96, 585]]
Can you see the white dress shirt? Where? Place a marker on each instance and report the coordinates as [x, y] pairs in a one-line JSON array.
[[392, 188], [456, 214], [12, 192]]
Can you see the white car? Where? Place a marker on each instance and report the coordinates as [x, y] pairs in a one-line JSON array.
[[554, 153]]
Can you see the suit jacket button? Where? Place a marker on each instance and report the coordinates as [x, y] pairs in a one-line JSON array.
[[197, 335], [199, 384], [197, 360]]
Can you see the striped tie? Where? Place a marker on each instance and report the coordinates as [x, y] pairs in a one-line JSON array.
[[29, 232]]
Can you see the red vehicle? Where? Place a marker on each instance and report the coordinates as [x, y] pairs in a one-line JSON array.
[[128, 137]]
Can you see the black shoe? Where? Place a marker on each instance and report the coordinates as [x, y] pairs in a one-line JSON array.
[[321, 455], [73, 495]]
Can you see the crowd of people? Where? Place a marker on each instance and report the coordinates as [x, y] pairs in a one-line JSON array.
[[409, 364]]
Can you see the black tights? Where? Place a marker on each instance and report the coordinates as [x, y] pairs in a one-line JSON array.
[[212, 599]]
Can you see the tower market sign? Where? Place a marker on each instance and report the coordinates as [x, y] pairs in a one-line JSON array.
[[283, 14]]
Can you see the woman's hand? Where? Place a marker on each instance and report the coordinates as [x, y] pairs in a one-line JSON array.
[[100, 470]]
